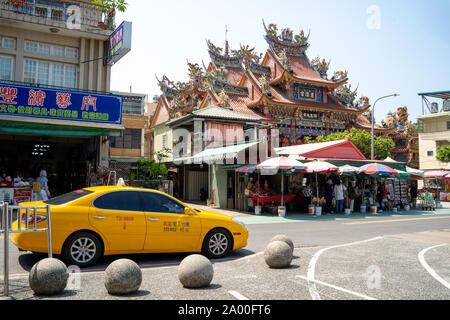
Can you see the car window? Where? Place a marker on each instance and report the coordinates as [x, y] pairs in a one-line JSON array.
[[68, 197], [155, 202], [119, 200]]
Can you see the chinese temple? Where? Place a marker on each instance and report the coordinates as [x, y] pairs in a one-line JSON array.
[[404, 135], [283, 88]]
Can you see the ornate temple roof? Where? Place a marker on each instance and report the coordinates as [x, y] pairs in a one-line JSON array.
[[243, 81]]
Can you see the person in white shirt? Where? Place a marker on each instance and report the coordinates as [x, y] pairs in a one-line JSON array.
[[339, 190]]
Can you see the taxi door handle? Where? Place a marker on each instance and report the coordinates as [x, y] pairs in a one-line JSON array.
[[98, 217], [153, 219]]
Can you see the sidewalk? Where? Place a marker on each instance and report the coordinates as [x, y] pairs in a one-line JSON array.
[[251, 218], [228, 212]]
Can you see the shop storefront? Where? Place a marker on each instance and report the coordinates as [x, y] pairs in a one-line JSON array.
[[64, 132]]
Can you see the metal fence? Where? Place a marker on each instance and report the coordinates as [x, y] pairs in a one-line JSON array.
[[27, 219]]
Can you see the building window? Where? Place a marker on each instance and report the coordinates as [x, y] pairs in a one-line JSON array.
[[31, 47], [131, 139], [57, 15], [164, 141], [41, 12], [131, 107], [71, 53], [46, 73], [7, 43], [430, 153], [47, 49], [58, 51], [448, 125], [44, 49], [6, 68]]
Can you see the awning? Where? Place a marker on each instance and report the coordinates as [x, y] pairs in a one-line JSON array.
[[415, 172], [339, 149], [58, 129], [216, 154]]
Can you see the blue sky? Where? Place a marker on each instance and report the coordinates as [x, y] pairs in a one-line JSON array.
[[387, 46]]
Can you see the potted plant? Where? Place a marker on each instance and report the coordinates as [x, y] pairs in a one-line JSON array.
[[18, 4], [317, 206], [108, 8]]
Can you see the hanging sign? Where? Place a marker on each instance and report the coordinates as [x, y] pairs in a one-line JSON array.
[[119, 42]]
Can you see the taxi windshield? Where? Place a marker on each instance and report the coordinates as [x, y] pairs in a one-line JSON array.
[[68, 197]]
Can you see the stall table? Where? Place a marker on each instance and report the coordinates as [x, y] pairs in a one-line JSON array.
[[263, 200]]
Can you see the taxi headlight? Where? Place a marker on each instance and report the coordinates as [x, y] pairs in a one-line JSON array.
[[239, 222]]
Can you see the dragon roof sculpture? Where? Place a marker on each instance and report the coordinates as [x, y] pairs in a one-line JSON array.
[[286, 41]]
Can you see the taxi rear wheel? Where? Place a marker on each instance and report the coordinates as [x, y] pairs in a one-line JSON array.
[[82, 249], [217, 244]]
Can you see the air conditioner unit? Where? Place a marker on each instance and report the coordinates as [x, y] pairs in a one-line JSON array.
[[434, 107], [446, 105]]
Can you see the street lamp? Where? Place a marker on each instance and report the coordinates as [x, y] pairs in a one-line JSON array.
[[372, 155]]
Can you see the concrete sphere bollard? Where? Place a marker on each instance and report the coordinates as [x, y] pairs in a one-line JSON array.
[[48, 277], [195, 271], [123, 276], [284, 238], [278, 254]]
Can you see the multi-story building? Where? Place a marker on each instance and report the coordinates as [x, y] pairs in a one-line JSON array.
[[434, 129], [56, 109], [127, 149]]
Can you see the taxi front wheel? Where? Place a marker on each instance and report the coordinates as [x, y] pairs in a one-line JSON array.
[[217, 244], [82, 249]]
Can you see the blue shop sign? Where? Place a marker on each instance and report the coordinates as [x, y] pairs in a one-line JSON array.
[[59, 104], [119, 43]]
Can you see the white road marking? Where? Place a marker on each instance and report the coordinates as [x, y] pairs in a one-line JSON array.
[[433, 273], [237, 295], [312, 266], [339, 288]]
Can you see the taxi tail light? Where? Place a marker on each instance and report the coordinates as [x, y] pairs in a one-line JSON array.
[[39, 218]]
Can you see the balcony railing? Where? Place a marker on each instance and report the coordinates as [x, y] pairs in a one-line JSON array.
[[58, 13]]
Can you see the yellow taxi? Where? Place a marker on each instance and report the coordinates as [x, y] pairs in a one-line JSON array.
[[108, 220]]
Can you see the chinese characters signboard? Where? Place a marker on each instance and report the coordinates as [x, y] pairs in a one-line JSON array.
[[119, 43], [59, 104]]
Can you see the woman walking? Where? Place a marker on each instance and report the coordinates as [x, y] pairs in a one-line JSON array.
[[339, 190], [43, 181]]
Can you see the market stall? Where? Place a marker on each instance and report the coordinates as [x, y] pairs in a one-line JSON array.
[[270, 168], [17, 190]]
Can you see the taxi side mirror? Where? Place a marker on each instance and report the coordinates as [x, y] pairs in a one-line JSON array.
[[188, 211]]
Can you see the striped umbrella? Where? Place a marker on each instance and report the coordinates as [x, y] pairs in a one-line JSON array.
[[283, 163], [320, 167], [250, 168], [377, 168]]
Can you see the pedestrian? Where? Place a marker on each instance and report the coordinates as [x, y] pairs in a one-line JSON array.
[[413, 194], [43, 181], [390, 201], [329, 196], [339, 190], [380, 197], [352, 194], [307, 194]]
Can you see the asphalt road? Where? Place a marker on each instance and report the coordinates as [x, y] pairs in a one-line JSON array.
[[341, 270]]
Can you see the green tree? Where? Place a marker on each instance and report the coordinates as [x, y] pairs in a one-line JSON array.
[[443, 154], [150, 169], [107, 6], [363, 141]]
